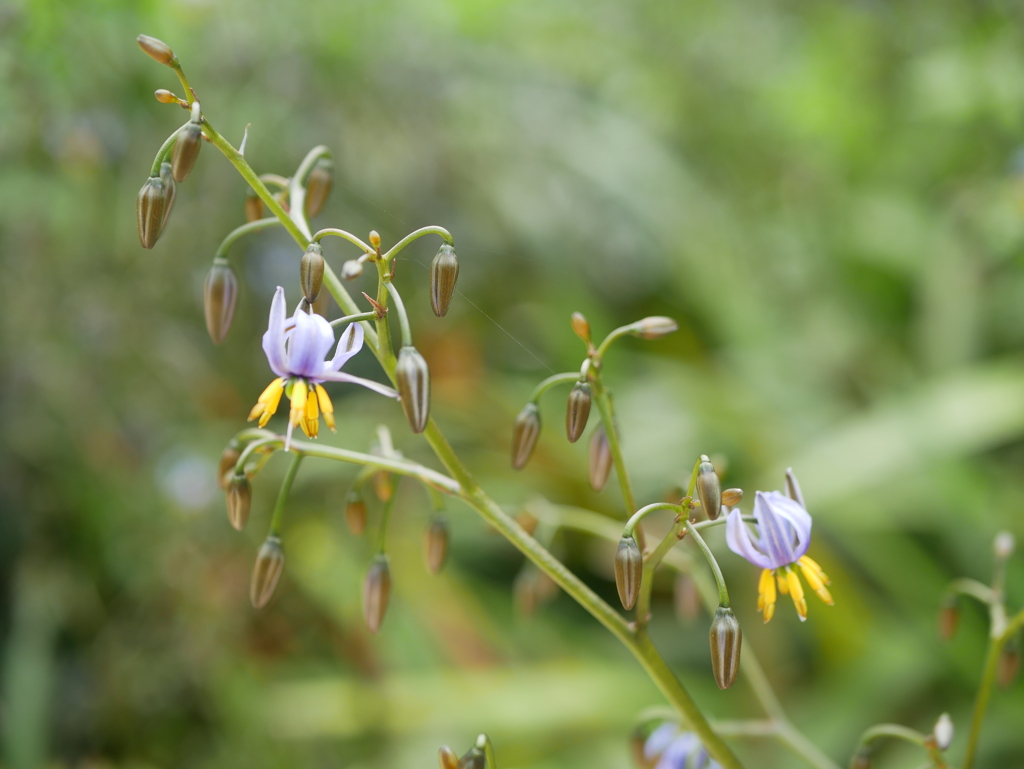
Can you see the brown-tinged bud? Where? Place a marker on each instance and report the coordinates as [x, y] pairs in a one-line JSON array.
[[266, 573], [582, 327], [793, 488], [165, 97], [600, 459], [355, 512], [382, 485], [578, 411], [376, 592], [318, 187], [732, 497], [436, 544], [351, 269], [637, 742], [1009, 665], [862, 760], [629, 568], [943, 732], [311, 272], [375, 239], [655, 326], [444, 271], [226, 468], [525, 431], [149, 210], [726, 639], [447, 758], [528, 522], [186, 150], [474, 759], [220, 292], [156, 49], [413, 379], [709, 490], [1003, 545], [686, 598], [949, 618], [239, 496], [253, 206], [170, 192]]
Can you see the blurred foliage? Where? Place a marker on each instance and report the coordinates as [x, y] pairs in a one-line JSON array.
[[824, 194]]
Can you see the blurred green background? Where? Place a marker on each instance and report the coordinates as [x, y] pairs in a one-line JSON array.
[[823, 194]]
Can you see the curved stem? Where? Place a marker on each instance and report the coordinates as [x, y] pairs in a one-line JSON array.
[[297, 188], [165, 150], [723, 591], [403, 317], [701, 525], [341, 234], [245, 229], [607, 411], [276, 179], [974, 589], [184, 80], [570, 377], [385, 516], [618, 333], [643, 601], [282, 495], [354, 318], [635, 519], [432, 230]]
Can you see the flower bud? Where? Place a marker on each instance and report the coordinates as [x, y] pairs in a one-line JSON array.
[[239, 496], [318, 187], [376, 592], [382, 485], [351, 269], [655, 326], [726, 639], [165, 97], [226, 468], [629, 568], [686, 598], [311, 272], [949, 618], [732, 497], [709, 490], [219, 295], [525, 431], [447, 757], [149, 210], [156, 49], [355, 512], [375, 239], [186, 150], [253, 206], [1009, 665], [582, 327], [474, 759], [862, 760], [578, 411], [413, 378], [600, 459], [793, 488], [170, 192], [1003, 545], [269, 565], [444, 271], [436, 544], [943, 732]]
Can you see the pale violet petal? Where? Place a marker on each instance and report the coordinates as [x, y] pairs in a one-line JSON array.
[[660, 739], [797, 517], [273, 339], [350, 342], [308, 344], [738, 539], [676, 754], [341, 376], [776, 532]]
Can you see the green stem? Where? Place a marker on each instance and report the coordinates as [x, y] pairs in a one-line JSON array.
[[607, 411], [297, 188], [385, 517], [618, 333], [282, 495], [276, 179], [643, 601], [639, 515], [184, 80], [354, 318], [723, 592], [403, 317], [974, 589], [245, 229], [701, 525], [165, 150], [341, 234], [570, 377], [432, 230]]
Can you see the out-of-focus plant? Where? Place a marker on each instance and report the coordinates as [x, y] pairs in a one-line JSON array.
[[298, 349]]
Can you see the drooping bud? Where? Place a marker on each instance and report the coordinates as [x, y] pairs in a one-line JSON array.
[[732, 497], [686, 598], [413, 379], [318, 187], [375, 239], [444, 271], [165, 97], [1009, 665], [266, 573], [709, 490], [253, 206], [239, 497], [186, 150], [862, 760], [949, 617], [1003, 545], [578, 411], [149, 211], [726, 639], [600, 459], [637, 743], [220, 292], [351, 269], [170, 192], [582, 327], [525, 431], [654, 327], [376, 592], [382, 485], [311, 272], [436, 544], [355, 512], [793, 488], [474, 759], [156, 49], [943, 732], [447, 757], [226, 468], [629, 568]]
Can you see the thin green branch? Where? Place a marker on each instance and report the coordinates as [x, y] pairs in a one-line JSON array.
[[723, 591], [342, 234], [165, 150], [282, 495], [607, 412], [570, 377], [385, 516], [618, 333], [640, 514], [242, 231], [403, 317], [362, 316], [432, 230]]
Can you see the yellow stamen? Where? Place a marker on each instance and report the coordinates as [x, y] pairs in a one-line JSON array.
[[326, 407], [796, 589], [311, 419], [298, 397], [813, 577], [805, 561], [268, 402], [783, 585], [766, 594]]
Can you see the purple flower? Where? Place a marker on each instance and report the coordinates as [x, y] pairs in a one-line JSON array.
[[676, 749], [783, 536], [296, 350]]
